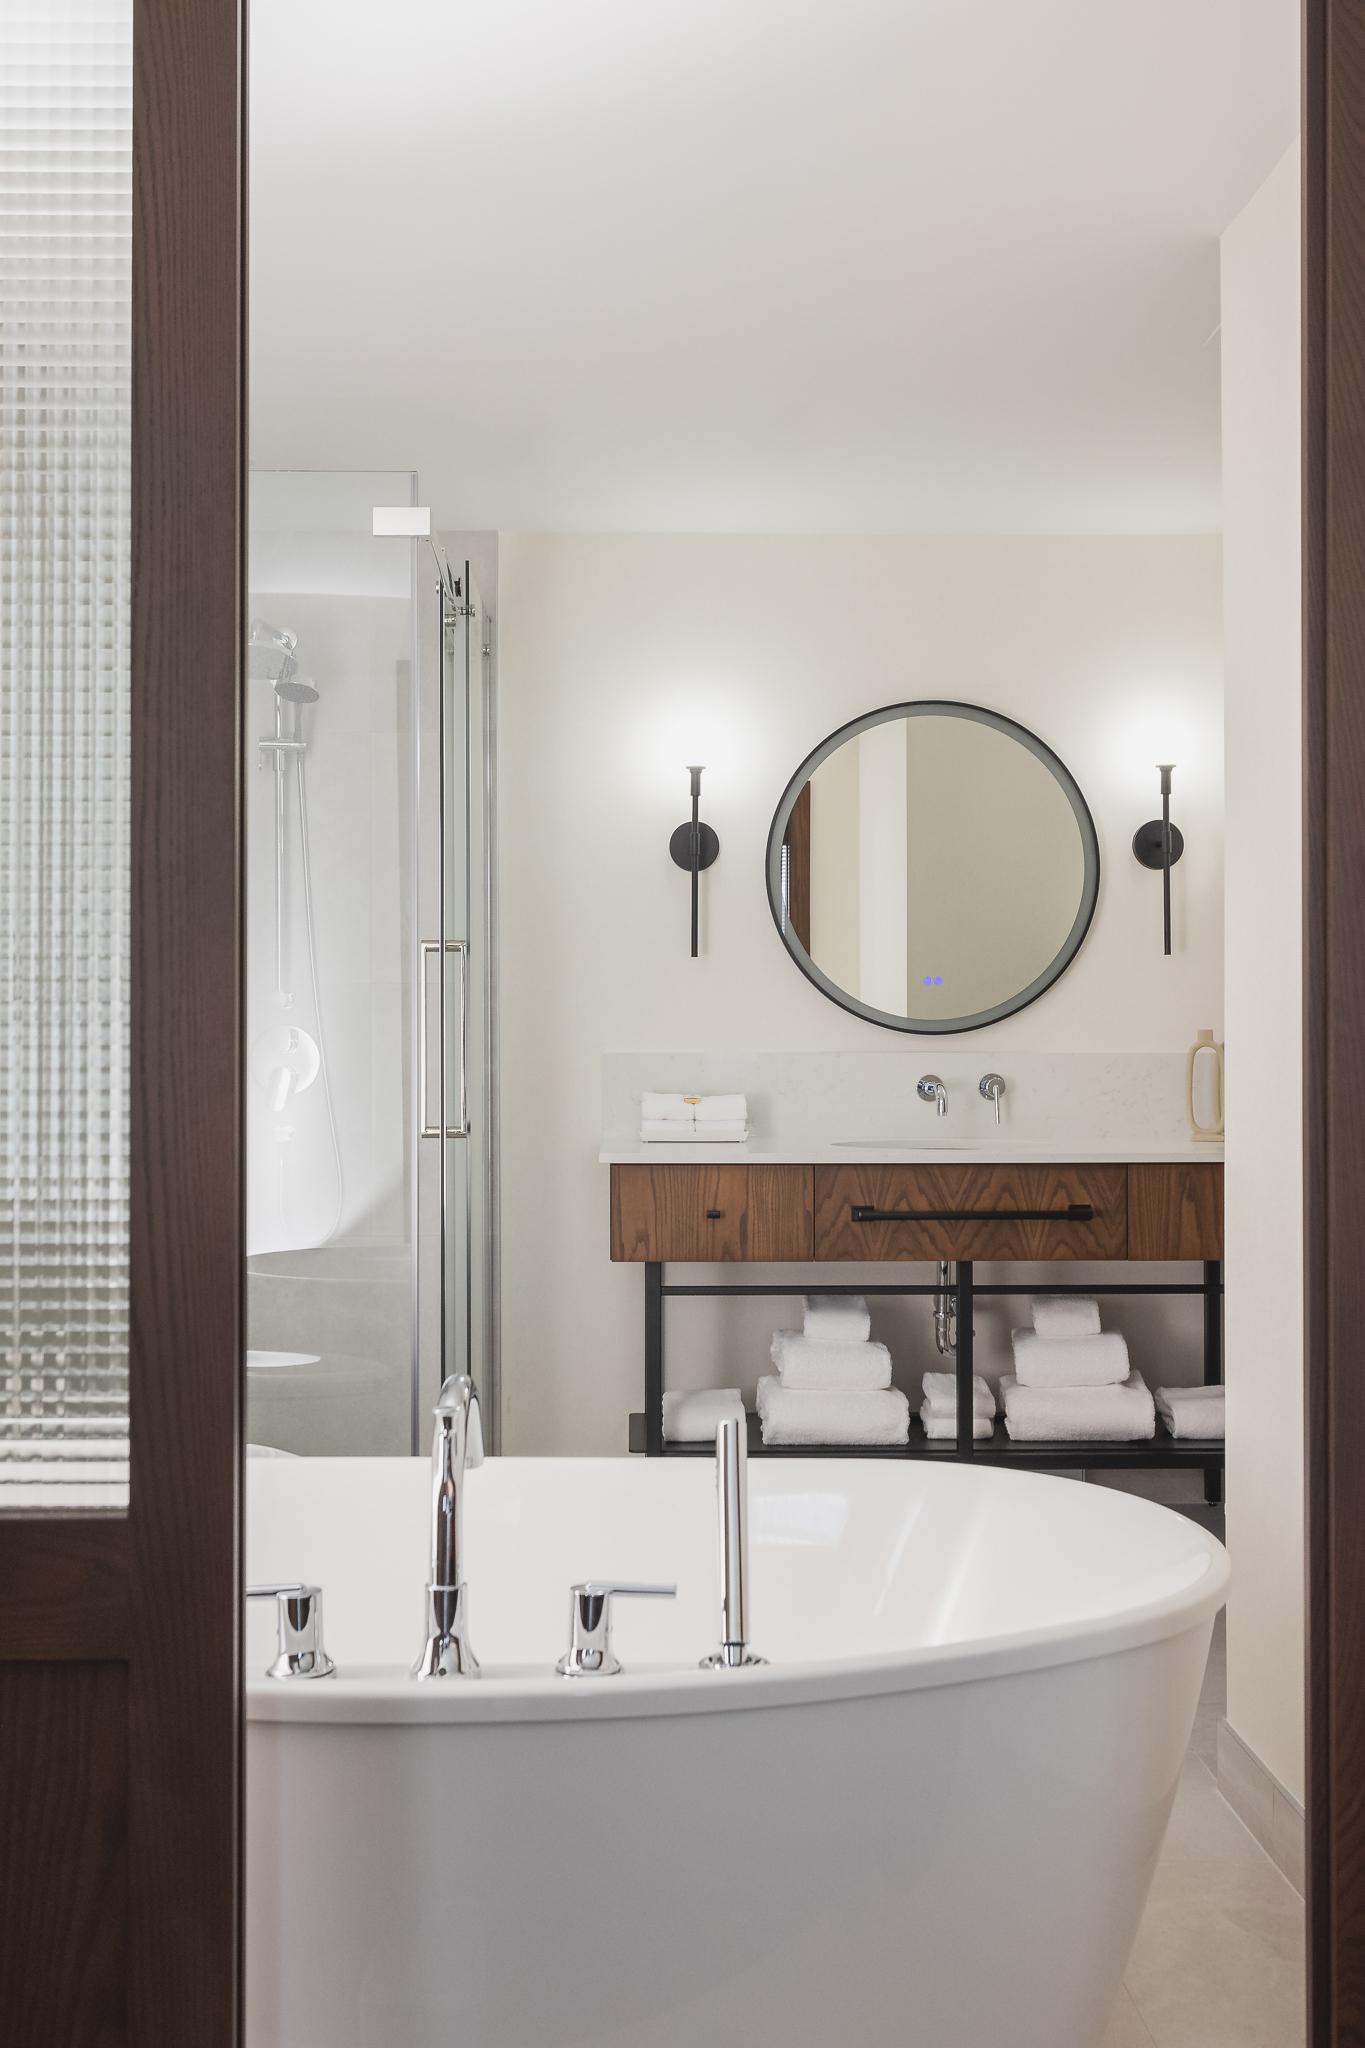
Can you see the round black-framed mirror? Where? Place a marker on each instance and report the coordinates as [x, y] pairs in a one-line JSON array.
[[936, 855]]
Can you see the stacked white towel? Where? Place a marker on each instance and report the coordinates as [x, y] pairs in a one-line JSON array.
[[691, 1418], [1100, 1361], [1072, 1381], [1122, 1414], [1065, 1315], [1192, 1411], [838, 1318], [815, 1364], [938, 1407], [795, 1415], [833, 1383], [693, 1119]]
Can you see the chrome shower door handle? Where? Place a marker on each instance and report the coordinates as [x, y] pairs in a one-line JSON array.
[[425, 951]]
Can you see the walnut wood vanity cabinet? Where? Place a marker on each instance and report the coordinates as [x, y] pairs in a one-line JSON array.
[[914, 1214]]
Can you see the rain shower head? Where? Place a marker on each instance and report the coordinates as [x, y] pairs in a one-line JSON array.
[[292, 689]]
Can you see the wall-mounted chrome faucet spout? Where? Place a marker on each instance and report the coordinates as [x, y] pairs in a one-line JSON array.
[[456, 1448], [930, 1089]]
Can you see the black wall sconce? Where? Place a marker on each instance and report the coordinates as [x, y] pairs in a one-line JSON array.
[[694, 846], [1159, 844]]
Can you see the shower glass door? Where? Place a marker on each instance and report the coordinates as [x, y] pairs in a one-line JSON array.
[[369, 981], [330, 859]]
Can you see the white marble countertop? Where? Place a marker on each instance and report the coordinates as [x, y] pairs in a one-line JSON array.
[[632, 1151]]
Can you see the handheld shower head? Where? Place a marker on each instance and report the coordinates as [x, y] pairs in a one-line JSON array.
[[270, 652]]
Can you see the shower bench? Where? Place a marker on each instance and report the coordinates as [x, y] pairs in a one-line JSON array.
[[1016, 1213]]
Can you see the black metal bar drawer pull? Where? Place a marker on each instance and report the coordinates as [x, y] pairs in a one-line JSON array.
[[1074, 1212]]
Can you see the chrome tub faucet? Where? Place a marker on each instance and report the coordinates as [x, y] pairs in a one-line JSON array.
[[732, 1487], [456, 1448]]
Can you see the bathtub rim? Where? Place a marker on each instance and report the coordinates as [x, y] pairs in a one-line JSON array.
[[386, 1694]]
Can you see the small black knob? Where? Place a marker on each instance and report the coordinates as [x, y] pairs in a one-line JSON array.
[[714, 1215]]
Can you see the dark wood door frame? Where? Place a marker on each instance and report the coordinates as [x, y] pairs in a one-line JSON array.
[[120, 1680], [1334, 930]]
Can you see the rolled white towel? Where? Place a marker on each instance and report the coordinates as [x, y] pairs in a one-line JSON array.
[[835, 1318], [940, 1394], [1192, 1411], [1070, 1361], [802, 1416], [674, 1109], [939, 1428], [691, 1418], [1122, 1414], [661, 1130], [722, 1109], [810, 1364], [1065, 1315]]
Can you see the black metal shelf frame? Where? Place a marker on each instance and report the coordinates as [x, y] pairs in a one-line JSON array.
[[1164, 1451]]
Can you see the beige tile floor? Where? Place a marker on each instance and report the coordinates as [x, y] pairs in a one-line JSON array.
[[1218, 1961]]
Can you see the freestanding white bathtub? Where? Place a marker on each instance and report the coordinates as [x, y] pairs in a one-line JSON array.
[[930, 1820]]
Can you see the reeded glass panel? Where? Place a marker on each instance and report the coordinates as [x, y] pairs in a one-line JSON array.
[[65, 227]]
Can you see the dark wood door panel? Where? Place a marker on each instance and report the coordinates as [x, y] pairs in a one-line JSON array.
[[64, 1855], [1175, 1211], [707, 1214], [970, 1212]]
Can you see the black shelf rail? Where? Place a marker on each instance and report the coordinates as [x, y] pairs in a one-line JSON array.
[[1160, 1452]]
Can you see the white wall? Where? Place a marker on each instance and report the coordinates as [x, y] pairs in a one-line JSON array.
[[622, 659], [1260, 281]]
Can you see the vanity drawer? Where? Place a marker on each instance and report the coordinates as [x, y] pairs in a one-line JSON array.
[[1175, 1212], [706, 1213], [971, 1212]]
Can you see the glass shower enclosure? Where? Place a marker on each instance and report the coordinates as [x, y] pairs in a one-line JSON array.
[[370, 1041]]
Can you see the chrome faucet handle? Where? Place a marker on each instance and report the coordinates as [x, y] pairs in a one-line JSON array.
[[298, 1616], [929, 1088], [992, 1086], [589, 1654]]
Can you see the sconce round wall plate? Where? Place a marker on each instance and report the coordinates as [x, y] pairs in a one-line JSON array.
[[680, 846], [1147, 844]]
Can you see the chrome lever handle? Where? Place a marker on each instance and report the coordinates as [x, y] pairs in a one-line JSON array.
[[589, 1654], [992, 1086], [298, 1618]]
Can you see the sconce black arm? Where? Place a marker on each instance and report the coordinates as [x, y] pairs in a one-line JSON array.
[[1159, 844], [694, 846]]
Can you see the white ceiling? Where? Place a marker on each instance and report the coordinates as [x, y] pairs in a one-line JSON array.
[[764, 265]]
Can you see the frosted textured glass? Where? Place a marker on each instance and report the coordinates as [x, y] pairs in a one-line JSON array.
[[65, 227]]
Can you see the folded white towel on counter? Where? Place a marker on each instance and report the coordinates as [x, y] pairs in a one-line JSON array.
[[1122, 1414], [1065, 1315], [792, 1415], [940, 1394], [693, 1134], [692, 1109], [811, 1364], [836, 1318], [940, 1427], [1070, 1361], [722, 1109], [691, 1418], [1192, 1411]]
